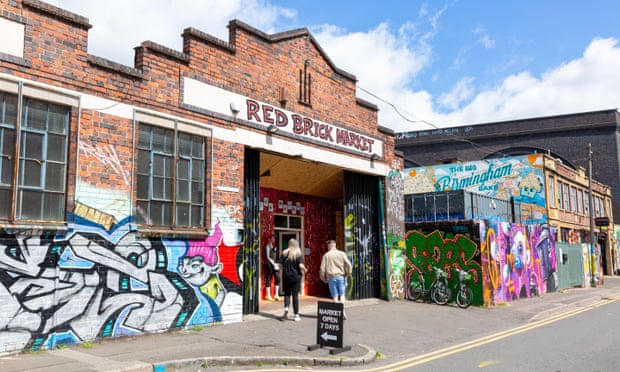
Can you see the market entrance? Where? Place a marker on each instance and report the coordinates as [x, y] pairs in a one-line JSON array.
[[303, 200], [290, 197]]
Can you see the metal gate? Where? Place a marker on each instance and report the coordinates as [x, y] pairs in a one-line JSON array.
[[251, 232], [362, 234]]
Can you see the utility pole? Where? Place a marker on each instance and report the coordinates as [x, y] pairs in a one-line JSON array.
[[592, 239]]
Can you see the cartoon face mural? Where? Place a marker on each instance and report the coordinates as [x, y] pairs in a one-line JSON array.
[[196, 271]]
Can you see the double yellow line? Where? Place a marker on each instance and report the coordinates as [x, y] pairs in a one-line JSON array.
[[428, 357], [425, 358]]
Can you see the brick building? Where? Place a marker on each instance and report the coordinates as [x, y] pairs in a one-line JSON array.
[[140, 198]]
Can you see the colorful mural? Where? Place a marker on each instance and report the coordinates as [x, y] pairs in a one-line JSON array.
[[398, 268], [66, 287], [517, 261], [514, 261], [518, 178], [395, 217], [592, 265], [446, 250]]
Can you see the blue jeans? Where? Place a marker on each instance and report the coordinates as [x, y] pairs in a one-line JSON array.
[[337, 286]]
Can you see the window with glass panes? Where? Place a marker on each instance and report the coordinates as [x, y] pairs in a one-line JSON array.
[[573, 199], [34, 186], [551, 182], [566, 196], [170, 177]]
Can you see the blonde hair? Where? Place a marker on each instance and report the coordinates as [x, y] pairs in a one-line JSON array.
[[293, 251]]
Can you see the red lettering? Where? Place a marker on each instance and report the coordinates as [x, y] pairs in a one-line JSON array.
[[353, 140], [252, 109], [370, 142], [281, 118], [316, 129], [297, 124], [267, 110], [307, 125], [364, 144], [328, 133], [342, 136], [321, 131]]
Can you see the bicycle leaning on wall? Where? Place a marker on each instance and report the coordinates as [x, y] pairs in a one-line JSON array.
[[464, 294], [439, 290]]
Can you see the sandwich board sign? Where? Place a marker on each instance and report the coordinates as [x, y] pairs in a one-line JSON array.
[[330, 326]]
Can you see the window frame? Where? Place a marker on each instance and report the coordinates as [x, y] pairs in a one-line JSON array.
[[56, 110], [573, 199], [551, 190], [580, 209], [178, 130]]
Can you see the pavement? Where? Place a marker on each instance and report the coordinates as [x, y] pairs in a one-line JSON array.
[[378, 332]]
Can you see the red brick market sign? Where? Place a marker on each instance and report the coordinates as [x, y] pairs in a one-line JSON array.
[[197, 94], [307, 127]]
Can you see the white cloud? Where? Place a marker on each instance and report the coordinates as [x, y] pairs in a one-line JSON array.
[[383, 60], [484, 38], [119, 25], [461, 92], [585, 84], [386, 62]]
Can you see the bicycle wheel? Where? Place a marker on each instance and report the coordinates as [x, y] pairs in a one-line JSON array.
[[441, 294], [415, 288], [464, 297]]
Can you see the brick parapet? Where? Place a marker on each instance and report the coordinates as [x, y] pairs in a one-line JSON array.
[[254, 64]]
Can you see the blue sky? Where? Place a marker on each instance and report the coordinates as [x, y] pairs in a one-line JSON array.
[[426, 64]]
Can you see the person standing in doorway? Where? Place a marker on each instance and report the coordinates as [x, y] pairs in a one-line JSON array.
[[292, 264], [335, 269], [273, 269]]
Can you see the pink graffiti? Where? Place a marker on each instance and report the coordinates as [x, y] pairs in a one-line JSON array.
[[206, 248]]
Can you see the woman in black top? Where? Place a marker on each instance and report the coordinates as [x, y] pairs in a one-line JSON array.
[[292, 263]]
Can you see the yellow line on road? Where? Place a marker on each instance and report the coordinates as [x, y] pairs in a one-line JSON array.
[[425, 358]]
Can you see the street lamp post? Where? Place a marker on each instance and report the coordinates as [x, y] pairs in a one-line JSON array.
[[592, 240]]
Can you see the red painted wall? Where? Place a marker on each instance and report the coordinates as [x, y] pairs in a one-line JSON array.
[[319, 225]]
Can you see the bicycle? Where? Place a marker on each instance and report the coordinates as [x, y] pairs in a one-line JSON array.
[[438, 290], [464, 294]]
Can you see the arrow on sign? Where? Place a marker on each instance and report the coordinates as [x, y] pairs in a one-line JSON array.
[[327, 337]]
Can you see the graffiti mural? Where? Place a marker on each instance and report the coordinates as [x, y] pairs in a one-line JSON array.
[[518, 261], [518, 178], [66, 287], [447, 250], [397, 270], [395, 202], [395, 218]]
